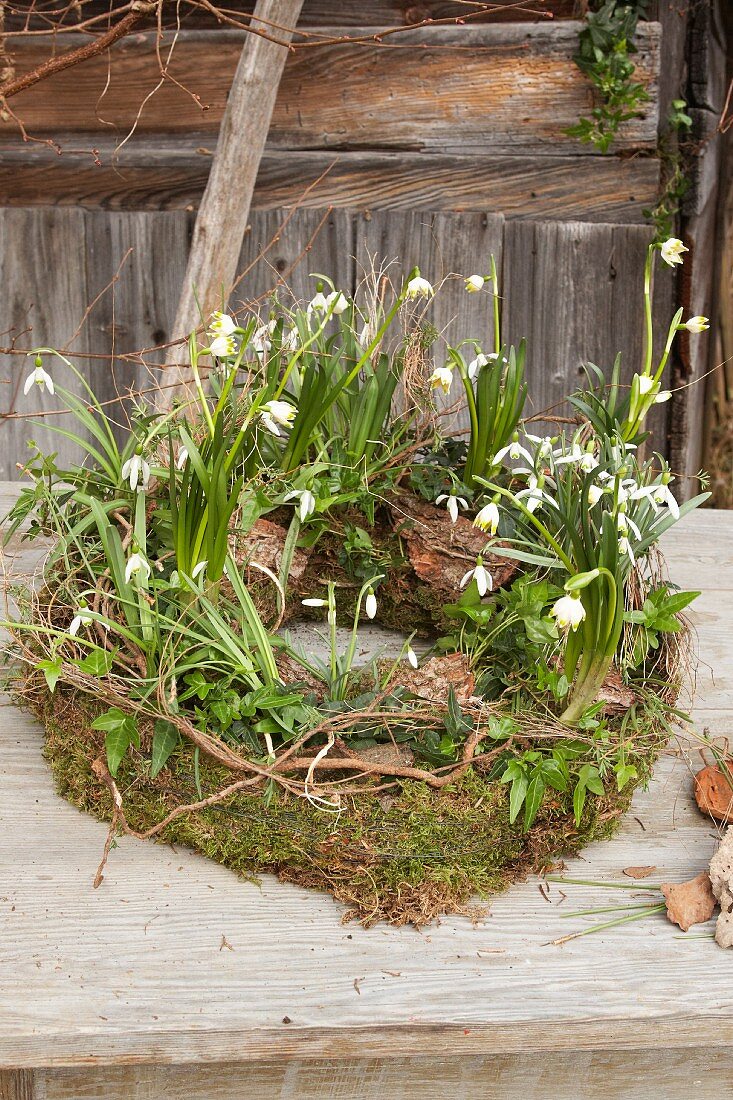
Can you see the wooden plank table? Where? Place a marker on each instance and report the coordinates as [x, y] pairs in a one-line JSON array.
[[176, 979]]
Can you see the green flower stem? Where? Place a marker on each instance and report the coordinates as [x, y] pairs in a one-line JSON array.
[[533, 519], [497, 319], [649, 330], [586, 689]]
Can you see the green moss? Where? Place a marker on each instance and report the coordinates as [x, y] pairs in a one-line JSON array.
[[404, 858]]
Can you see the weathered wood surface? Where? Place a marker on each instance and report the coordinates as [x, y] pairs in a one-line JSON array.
[[572, 289], [164, 173], [221, 220], [505, 88], [123, 984]]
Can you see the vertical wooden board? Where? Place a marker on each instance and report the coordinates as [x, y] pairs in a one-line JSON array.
[[43, 276], [145, 253], [446, 247], [575, 292]]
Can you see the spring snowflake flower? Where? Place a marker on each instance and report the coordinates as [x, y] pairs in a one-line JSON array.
[[276, 415], [221, 324], [488, 518], [697, 324], [419, 288], [318, 303], [452, 503], [474, 283], [411, 656], [39, 377], [137, 472], [306, 502], [82, 618], [223, 347], [441, 378], [370, 604], [672, 251], [513, 450], [337, 302], [136, 563], [480, 574], [568, 612]]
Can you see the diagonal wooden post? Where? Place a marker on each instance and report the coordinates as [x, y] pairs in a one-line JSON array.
[[222, 216]]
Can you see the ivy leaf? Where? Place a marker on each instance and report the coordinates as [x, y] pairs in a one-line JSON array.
[[165, 739], [51, 670], [96, 663]]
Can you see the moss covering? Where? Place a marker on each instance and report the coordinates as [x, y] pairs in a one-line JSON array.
[[406, 857]]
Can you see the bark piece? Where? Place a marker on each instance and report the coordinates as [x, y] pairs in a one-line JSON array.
[[690, 902], [615, 693], [436, 676], [713, 794], [639, 872], [721, 881], [264, 544], [442, 552]]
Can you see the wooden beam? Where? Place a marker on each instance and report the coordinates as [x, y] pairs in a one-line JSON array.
[[502, 89], [164, 173], [222, 217]]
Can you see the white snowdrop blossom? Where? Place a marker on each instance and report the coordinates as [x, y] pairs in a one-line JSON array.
[[533, 495], [337, 302], [480, 361], [318, 303], [474, 283], [276, 415], [543, 445], [291, 340], [441, 378], [480, 574], [223, 347], [368, 333], [182, 458], [198, 570], [137, 472], [419, 288], [136, 563], [488, 518], [306, 502], [221, 324], [659, 495], [646, 384], [662, 396], [513, 450], [568, 612], [625, 524], [588, 462], [624, 547], [82, 618], [314, 602], [411, 656], [697, 324], [452, 503], [569, 458], [38, 377], [370, 604], [594, 494], [261, 342], [672, 251]]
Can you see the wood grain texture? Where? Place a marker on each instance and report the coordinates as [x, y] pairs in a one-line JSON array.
[[134, 975], [153, 173], [17, 1085], [221, 220], [506, 88]]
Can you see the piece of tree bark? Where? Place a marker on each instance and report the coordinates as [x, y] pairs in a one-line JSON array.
[[222, 216]]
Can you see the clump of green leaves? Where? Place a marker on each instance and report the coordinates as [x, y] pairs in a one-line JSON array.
[[605, 53]]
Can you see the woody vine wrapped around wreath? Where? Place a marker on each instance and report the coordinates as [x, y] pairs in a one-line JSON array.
[[309, 472]]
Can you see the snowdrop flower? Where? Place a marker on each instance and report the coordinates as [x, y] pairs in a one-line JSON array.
[[318, 303], [452, 503], [419, 288], [588, 462], [221, 324], [662, 396], [534, 494], [223, 347], [624, 547], [82, 618], [261, 342], [646, 384], [672, 251], [411, 656], [480, 361], [370, 605], [480, 574], [182, 458], [314, 602], [441, 378], [137, 472], [625, 524], [291, 340], [276, 415], [543, 444], [514, 450], [594, 494], [306, 502], [659, 495], [198, 570], [568, 612], [696, 324], [488, 518], [337, 302], [474, 283], [569, 458], [368, 333], [39, 377], [136, 563]]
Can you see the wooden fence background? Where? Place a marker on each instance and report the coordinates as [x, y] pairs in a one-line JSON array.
[[437, 150]]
